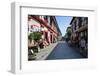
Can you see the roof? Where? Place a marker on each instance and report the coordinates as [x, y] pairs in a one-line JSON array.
[[72, 20]]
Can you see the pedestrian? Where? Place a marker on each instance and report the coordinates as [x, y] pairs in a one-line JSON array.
[[82, 45]]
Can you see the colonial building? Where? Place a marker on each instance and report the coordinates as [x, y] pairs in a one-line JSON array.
[[45, 24], [79, 26]]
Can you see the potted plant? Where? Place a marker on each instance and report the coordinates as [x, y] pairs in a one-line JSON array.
[[35, 37]]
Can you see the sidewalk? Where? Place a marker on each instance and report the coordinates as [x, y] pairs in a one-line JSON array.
[[44, 53]]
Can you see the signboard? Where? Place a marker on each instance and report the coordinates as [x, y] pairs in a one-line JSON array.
[[34, 26]]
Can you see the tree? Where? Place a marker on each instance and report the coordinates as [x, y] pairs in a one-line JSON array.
[[68, 32]]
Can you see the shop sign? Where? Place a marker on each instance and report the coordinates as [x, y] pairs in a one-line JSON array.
[[34, 28]]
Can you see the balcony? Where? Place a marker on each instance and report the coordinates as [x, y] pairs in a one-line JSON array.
[[82, 28]]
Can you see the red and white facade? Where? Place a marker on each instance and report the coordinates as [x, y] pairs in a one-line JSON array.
[[45, 24]]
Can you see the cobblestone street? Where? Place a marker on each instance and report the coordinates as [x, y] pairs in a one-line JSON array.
[[63, 51]]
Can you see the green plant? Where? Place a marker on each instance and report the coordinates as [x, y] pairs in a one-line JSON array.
[[35, 36]]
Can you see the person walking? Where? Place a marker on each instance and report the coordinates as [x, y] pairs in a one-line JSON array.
[[82, 45]]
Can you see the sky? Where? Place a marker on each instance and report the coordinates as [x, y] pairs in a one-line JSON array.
[[63, 23]]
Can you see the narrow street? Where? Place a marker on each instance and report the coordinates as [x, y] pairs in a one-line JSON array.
[[48, 37], [63, 51]]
